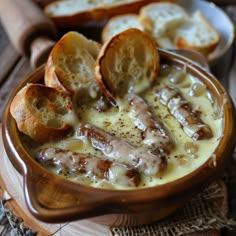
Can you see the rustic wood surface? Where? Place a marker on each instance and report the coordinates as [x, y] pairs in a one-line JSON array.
[[14, 67]]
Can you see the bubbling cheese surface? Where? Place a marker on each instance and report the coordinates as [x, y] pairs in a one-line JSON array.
[[186, 155]]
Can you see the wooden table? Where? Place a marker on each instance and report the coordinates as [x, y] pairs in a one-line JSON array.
[[13, 67]]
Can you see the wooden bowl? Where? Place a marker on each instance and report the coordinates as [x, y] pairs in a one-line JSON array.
[[53, 199]]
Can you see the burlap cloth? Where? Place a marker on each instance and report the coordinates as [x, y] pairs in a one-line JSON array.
[[210, 209], [205, 211]]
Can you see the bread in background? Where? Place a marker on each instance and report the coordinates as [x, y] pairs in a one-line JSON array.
[[120, 23], [71, 13], [171, 26], [70, 66], [162, 19], [197, 34]]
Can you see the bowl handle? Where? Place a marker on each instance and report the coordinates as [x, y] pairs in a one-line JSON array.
[[53, 199]]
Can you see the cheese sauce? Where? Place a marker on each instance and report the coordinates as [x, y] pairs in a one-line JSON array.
[[185, 156]]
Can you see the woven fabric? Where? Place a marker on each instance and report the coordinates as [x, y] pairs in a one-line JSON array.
[[11, 225]]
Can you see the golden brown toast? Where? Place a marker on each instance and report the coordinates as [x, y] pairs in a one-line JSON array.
[[127, 63], [41, 112], [70, 66]]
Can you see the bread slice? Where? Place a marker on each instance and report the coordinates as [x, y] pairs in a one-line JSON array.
[[197, 34], [117, 24], [41, 112], [161, 20], [128, 62], [71, 13], [70, 66]]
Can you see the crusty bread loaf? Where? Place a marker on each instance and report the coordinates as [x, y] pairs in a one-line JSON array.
[[70, 66], [117, 24], [128, 62], [197, 34], [42, 112], [70, 13]]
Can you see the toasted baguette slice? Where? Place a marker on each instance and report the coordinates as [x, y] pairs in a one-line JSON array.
[[70, 66], [70, 13], [197, 34], [42, 112], [128, 62], [117, 24], [161, 19]]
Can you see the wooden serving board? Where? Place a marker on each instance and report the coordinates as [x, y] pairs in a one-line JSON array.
[[11, 187]]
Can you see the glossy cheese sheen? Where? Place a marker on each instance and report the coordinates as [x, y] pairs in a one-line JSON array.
[[187, 154]]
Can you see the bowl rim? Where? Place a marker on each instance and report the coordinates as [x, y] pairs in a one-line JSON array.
[[108, 200]]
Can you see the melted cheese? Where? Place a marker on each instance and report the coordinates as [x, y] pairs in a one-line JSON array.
[[186, 156]]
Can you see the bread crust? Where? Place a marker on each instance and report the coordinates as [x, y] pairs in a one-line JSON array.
[[98, 13], [51, 79], [140, 56], [31, 107], [70, 64]]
